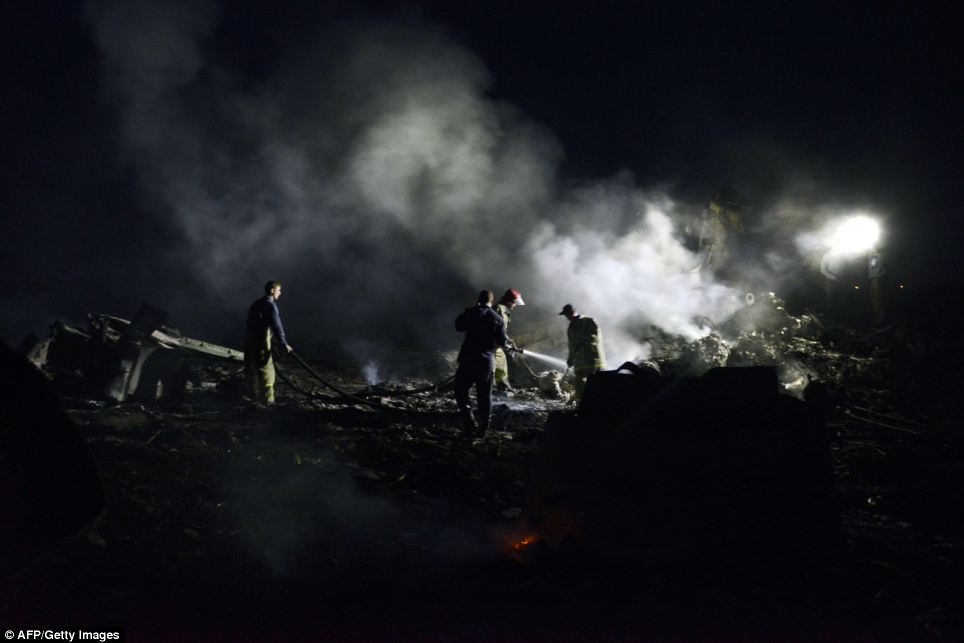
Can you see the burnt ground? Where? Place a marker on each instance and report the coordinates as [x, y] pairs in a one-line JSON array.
[[320, 521]]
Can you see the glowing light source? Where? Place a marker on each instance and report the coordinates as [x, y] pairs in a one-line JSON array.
[[855, 235]]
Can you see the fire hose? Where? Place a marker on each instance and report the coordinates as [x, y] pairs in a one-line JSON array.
[[354, 398], [441, 386], [312, 395], [444, 384], [521, 352], [869, 416], [344, 394]]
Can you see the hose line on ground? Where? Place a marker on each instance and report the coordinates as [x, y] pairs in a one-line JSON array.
[[340, 392], [356, 398], [312, 395], [432, 388]]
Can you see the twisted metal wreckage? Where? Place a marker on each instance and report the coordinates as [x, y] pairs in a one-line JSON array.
[[120, 359]]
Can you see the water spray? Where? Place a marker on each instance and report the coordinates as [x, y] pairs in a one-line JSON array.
[[555, 361]]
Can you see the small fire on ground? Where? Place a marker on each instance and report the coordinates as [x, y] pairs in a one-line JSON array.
[[525, 541], [514, 545]]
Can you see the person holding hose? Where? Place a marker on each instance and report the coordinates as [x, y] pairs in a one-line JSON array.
[[484, 333], [263, 323], [586, 355], [509, 300]]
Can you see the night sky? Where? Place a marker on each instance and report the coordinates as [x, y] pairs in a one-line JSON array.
[[855, 105]]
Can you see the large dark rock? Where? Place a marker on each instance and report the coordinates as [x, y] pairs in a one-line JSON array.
[[688, 469], [49, 486]]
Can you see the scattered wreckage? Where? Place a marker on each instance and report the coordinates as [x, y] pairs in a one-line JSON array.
[[53, 489], [117, 359], [771, 436]]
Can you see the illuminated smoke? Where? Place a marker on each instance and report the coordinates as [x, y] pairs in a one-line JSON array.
[[370, 372], [374, 176], [643, 276]]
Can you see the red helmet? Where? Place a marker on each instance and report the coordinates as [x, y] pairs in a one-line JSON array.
[[512, 296]]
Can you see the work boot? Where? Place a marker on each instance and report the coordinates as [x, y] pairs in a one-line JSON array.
[[483, 427], [469, 425]]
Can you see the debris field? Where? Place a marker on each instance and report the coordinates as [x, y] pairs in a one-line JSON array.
[[372, 517]]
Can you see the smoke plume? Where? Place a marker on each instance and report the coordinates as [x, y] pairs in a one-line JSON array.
[[371, 172]]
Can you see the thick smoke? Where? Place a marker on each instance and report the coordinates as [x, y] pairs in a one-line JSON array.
[[373, 175], [627, 279]]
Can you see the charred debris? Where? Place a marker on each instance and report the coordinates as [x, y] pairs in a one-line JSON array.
[[804, 474]]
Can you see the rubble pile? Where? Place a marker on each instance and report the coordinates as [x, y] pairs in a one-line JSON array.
[[373, 502], [550, 384], [802, 348]]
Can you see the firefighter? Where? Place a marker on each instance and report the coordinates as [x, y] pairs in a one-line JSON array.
[[586, 355], [510, 300], [263, 324], [484, 333]]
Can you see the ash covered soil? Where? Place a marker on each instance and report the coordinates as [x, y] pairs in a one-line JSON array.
[[316, 520]]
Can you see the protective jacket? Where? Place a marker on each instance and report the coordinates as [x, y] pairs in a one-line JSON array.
[[501, 361], [506, 314], [585, 345], [263, 315], [484, 332]]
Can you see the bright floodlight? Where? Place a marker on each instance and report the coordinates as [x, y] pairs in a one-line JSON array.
[[855, 235]]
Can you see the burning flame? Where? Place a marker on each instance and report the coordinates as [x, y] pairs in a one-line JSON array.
[[514, 546], [525, 541]]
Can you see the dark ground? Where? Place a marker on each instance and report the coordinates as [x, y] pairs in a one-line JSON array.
[[317, 521]]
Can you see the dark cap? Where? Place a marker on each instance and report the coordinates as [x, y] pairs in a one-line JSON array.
[[567, 309]]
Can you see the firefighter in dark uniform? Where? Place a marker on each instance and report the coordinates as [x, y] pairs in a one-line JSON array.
[[484, 333], [264, 322]]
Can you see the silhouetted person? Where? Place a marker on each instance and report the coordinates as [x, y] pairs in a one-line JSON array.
[[484, 332], [264, 322], [586, 354], [510, 300]]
